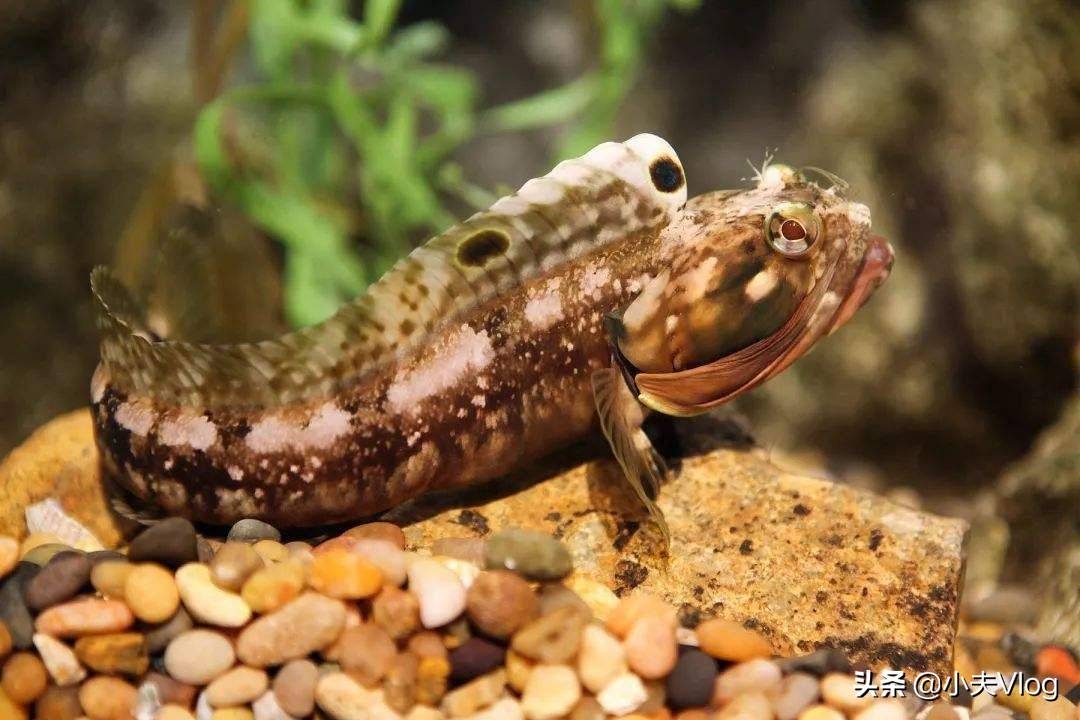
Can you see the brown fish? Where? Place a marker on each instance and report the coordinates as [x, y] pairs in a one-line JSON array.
[[595, 291]]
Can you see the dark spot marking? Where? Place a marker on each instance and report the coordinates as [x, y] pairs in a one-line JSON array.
[[666, 175], [749, 247], [477, 250], [746, 547], [422, 289], [628, 575], [474, 521], [876, 536], [801, 509], [407, 327]]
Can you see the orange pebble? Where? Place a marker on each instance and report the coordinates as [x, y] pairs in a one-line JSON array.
[[1056, 661], [631, 609], [729, 640], [344, 575]]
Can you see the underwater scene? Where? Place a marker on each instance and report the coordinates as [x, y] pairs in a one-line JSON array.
[[587, 359]]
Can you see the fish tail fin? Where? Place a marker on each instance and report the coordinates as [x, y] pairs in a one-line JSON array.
[[620, 419]]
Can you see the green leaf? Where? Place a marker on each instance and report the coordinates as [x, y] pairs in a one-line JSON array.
[[379, 17], [416, 42], [209, 149], [547, 108]]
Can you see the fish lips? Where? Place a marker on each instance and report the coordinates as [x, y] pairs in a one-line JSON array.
[[699, 389]]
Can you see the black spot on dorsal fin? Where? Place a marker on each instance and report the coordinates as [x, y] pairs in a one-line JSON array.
[[478, 249]]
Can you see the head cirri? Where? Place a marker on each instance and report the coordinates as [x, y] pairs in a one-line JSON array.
[[759, 276]]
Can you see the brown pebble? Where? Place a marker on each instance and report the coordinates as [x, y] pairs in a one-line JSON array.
[[294, 687], [396, 611], [151, 593], [109, 577], [123, 653], [499, 602], [588, 708], [58, 703], [24, 678], [365, 653], [234, 563], [553, 638], [107, 698], [172, 691], [239, 686], [431, 677], [727, 640], [158, 637], [5, 640], [379, 531], [399, 684], [427, 643]]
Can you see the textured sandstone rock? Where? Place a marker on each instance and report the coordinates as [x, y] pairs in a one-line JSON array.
[[806, 562], [59, 460]]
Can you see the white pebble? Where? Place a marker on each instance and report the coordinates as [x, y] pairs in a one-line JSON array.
[[206, 601], [386, 556], [199, 656], [838, 690], [601, 658], [623, 695], [883, 710], [758, 675], [438, 590], [59, 660], [795, 693], [342, 698], [505, 709]]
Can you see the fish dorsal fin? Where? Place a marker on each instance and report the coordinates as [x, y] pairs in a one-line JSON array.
[[615, 191]]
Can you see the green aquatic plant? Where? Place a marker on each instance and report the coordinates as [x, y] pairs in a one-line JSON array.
[[342, 147]]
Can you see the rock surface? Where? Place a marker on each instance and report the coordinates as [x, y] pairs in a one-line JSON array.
[[59, 460], [806, 562]]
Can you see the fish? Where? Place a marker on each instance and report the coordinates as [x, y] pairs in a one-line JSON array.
[[593, 296]]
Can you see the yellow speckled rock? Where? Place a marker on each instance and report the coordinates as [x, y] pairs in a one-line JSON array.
[[59, 460]]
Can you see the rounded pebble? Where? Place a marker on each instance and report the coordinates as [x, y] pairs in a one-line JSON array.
[[633, 607], [60, 661], [691, 681], [838, 690], [59, 580], [271, 587], [238, 686], [475, 657], [474, 696], [795, 693], [531, 553], [151, 593], [439, 591], [365, 652], [731, 641], [551, 692], [86, 616], [884, 710], [271, 551], [160, 636], [23, 678], [109, 577], [294, 687], [600, 659], [107, 698], [13, 611], [206, 601], [399, 685], [123, 653], [396, 611], [57, 703], [199, 656], [552, 638], [623, 695], [751, 676], [499, 602], [748, 706], [650, 647], [344, 575], [251, 530], [233, 564], [36, 540], [308, 623], [171, 542], [379, 531], [174, 712], [821, 712], [343, 698]]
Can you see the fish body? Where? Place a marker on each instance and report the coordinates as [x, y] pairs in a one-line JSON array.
[[490, 345]]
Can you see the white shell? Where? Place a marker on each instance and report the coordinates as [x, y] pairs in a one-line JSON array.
[[48, 516]]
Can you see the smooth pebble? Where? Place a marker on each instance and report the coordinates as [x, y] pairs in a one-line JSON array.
[[239, 686], [294, 687], [601, 658], [300, 627], [499, 602], [171, 542], [207, 602], [534, 554], [623, 695], [59, 580], [439, 591], [551, 692], [85, 616], [251, 530], [151, 593], [199, 656]]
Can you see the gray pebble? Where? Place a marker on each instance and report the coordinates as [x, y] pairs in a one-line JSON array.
[[61, 579], [252, 530], [158, 637], [42, 554], [170, 542], [13, 610], [530, 553]]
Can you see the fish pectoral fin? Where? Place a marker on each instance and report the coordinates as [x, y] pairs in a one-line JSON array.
[[620, 419]]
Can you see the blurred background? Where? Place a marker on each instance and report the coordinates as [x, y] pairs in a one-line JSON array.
[[336, 135]]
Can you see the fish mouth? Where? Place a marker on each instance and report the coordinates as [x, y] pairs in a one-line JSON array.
[[697, 390], [876, 265]]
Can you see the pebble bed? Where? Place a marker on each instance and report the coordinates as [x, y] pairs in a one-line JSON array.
[[359, 628]]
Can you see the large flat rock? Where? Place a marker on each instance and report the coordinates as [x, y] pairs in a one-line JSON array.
[[807, 562]]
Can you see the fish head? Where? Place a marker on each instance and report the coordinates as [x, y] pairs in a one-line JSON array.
[[753, 279]]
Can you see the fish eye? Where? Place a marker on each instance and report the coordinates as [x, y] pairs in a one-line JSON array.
[[792, 229]]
